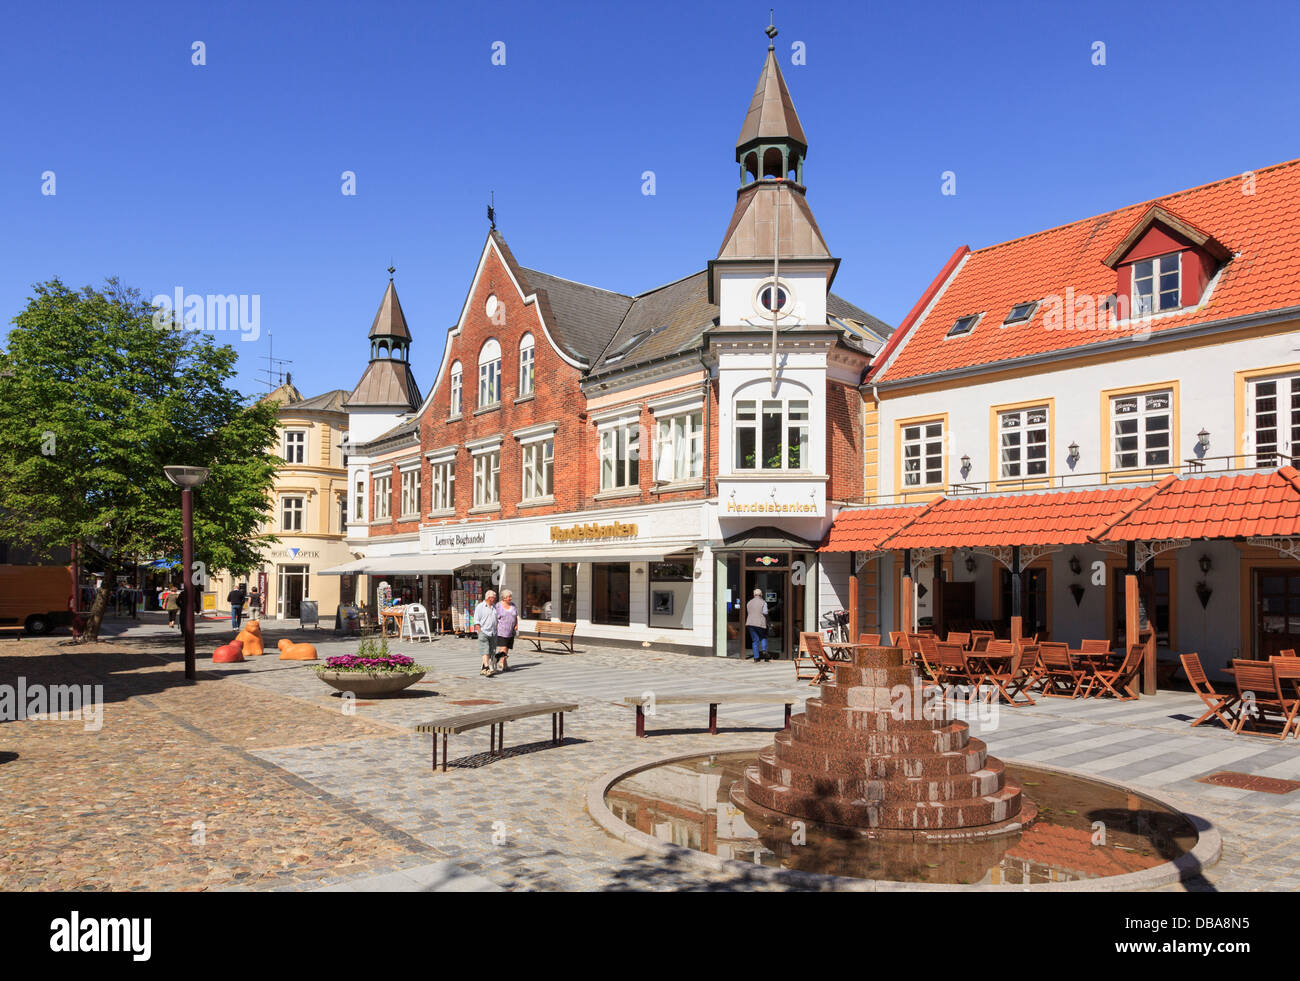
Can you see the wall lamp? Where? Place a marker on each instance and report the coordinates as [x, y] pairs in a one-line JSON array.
[[1073, 458], [965, 465], [1205, 563], [1203, 439], [1075, 565]]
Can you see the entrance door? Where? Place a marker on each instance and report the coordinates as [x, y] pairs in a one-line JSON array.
[[292, 588], [1277, 611], [1154, 608], [775, 587]]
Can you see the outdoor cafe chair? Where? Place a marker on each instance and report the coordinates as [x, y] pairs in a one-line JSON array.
[[977, 634], [955, 637], [1094, 646], [1032, 665], [1217, 704], [898, 639], [805, 666], [928, 652], [1062, 677], [1286, 652], [1015, 677], [812, 643], [953, 669], [1260, 690], [872, 639], [1117, 680], [978, 644]]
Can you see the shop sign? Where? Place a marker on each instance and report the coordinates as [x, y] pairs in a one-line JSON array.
[[295, 553], [460, 539], [591, 531], [790, 499]]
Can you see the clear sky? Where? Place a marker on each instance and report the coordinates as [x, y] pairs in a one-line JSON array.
[[226, 178]]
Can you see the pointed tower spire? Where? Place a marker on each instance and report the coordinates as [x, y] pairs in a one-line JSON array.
[[388, 381], [771, 141]]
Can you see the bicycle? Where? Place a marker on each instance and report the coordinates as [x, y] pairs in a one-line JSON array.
[[835, 626]]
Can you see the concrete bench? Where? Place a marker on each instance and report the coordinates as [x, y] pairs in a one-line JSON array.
[[553, 631], [713, 700], [495, 718]]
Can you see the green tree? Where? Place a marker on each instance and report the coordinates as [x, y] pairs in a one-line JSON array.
[[96, 397]]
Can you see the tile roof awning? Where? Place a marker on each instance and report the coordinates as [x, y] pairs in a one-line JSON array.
[[863, 529], [1055, 517], [1242, 505]]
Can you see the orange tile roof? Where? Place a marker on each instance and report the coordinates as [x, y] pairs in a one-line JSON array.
[[1230, 506], [1068, 517], [863, 529], [1261, 229]]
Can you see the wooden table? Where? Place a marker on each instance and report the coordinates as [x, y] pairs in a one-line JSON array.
[[844, 645], [396, 615]]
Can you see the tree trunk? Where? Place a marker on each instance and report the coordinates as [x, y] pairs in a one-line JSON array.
[[100, 606]]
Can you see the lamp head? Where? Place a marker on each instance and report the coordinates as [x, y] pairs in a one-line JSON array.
[[186, 477]]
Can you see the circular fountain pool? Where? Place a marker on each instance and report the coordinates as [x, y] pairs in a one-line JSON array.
[[1084, 830]]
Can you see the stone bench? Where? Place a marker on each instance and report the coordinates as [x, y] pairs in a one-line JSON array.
[[548, 630], [495, 718], [713, 700]]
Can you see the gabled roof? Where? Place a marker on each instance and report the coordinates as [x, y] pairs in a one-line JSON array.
[[1068, 517], [1163, 216], [771, 114], [583, 318], [389, 320], [863, 529], [1262, 229], [1229, 506], [328, 402]]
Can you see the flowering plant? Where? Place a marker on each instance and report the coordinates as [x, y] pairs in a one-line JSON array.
[[373, 657]]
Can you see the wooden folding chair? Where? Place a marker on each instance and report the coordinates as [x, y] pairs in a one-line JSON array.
[[872, 639], [1060, 674], [1217, 704], [1259, 686], [953, 669], [975, 635], [1031, 665], [927, 654], [812, 643], [958, 638], [805, 667], [898, 639], [1117, 680], [1094, 646], [978, 644], [1018, 674]]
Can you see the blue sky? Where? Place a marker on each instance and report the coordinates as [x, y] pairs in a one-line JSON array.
[[226, 178]]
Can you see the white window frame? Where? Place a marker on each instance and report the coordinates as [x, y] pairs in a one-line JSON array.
[[442, 477], [410, 488], [672, 431], [538, 466], [294, 440], [298, 512], [620, 454], [1285, 413], [526, 353], [928, 457], [487, 478], [383, 494], [359, 499], [457, 393], [1154, 273], [1141, 414], [489, 374], [1014, 459], [761, 408]]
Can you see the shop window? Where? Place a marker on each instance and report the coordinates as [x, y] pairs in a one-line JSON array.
[[611, 593], [569, 592], [537, 593]]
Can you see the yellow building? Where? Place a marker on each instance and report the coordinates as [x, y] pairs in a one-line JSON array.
[[309, 510]]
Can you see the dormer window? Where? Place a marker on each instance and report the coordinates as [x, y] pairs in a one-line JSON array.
[[1020, 313], [964, 325], [1157, 284]]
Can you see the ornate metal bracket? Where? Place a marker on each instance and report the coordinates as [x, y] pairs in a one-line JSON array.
[[1290, 547]]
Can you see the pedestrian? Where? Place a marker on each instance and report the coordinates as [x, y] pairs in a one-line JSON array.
[[172, 604], [756, 623], [236, 600], [254, 605], [485, 618], [158, 597], [507, 617]]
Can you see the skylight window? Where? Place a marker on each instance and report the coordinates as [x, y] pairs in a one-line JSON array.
[[624, 349], [964, 325], [1020, 313]]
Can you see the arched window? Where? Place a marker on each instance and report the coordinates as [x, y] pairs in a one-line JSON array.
[[455, 389], [526, 365], [489, 374]]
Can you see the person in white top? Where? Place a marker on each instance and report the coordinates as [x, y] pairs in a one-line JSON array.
[[485, 619]]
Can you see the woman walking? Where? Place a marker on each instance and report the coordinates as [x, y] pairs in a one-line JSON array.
[[485, 618], [507, 617], [171, 603]]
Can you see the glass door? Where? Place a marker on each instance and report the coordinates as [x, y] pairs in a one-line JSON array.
[[1277, 611]]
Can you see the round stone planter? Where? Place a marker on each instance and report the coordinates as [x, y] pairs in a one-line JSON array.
[[370, 684]]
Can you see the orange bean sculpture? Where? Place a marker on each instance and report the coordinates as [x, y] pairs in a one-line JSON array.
[[231, 653], [252, 641], [289, 651]]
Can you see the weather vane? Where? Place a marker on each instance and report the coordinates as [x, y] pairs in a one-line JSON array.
[[770, 30], [492, 211], [391, 269]]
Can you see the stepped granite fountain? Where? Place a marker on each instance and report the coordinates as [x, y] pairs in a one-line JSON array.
[[878, 752]]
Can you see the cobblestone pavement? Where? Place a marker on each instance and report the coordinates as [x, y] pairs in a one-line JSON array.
[[259, 777]]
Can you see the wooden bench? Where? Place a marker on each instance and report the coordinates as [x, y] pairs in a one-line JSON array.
[[549, 630], [495, 718], [713, 700]]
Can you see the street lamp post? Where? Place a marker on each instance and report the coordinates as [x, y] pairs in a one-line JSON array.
[[187, 478]]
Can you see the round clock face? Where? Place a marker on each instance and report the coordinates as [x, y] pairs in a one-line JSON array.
[[490, 308]]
